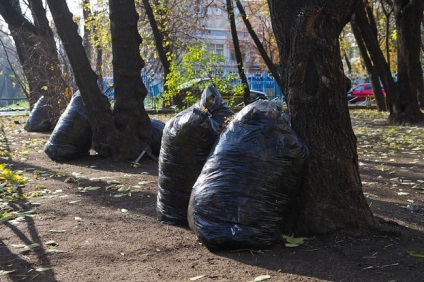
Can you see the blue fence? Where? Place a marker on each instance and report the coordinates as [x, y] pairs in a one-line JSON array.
[[266, 83], [263, 82]]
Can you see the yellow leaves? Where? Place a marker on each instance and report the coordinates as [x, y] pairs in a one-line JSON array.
[[10, 177], [68, 93], [9, 182]]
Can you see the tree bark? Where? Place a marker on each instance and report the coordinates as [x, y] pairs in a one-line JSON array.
[[408, 15], [131, 118], [259, 45], [307, 34], [162, 48], [105, 135], [368, 35], [86, 14], [372, 72], [237, 51], [387, 14], [38, 55]]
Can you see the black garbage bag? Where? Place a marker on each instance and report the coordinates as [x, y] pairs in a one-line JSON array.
[[71, 137], [38, 120], [186, 142], [157, 127], [240, 197]]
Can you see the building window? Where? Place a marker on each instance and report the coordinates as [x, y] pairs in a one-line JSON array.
[[217, 49], [232, 55], [209, 11], [218, 11], [200, 11]]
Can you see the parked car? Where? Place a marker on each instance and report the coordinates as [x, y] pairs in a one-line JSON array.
[[361, 92]]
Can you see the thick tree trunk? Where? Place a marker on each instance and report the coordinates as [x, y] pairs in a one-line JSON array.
[[105, 136], [315, 85], [38, 55], [408, 15], [131, 118], [237, 51], [56, 86]]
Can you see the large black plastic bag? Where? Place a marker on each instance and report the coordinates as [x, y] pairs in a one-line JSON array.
[[71, 138], [157, 127], [254, 170], [38, 120], [186, 142]]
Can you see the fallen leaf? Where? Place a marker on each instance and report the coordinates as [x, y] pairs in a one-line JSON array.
[[57, 230], [6, 218], [26, 247], [33, 246], [6, 272], [41, 269], [74, 202], [89, 188], [52, 250], [144, 182], [370, 195], [291, 241], [197, 277], [414, 254], [262, 278], [50, 243]]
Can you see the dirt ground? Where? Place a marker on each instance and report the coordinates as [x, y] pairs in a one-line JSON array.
[[95, 220]]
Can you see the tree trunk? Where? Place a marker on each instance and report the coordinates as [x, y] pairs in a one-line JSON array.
[[57, 88], [161, 47], [237, 51], [307, 34], [348, 64], [88, 17], [408, 15], [38, 55], [374, 77], [105, 136], [369, 37], [99, 65], [259, 45], [131, 118], [387, 14]]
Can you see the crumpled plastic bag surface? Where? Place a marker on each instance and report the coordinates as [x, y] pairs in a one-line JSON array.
[[186, 142], [71, 137], [240, 197], [38, 119]]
